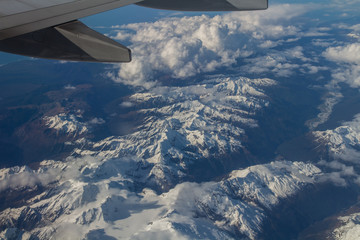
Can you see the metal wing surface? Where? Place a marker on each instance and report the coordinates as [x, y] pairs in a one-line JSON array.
[[23, 16], [50, 29]]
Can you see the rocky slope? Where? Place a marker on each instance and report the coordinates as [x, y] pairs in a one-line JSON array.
[[190, 126], [106, 186]]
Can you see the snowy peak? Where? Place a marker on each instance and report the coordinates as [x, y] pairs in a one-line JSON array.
[[189, 124], [68, 124], [349, 229], [343, 142], [93, 194]]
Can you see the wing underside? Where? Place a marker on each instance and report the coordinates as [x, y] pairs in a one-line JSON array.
[[22, 16], [49, 28], [206, 5], [72, 41]]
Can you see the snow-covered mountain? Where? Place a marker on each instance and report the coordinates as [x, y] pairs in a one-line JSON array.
[[68, 124], [142, 177], [93, 198], [153, 182], [349, 229], [190, 125], [342, 142]]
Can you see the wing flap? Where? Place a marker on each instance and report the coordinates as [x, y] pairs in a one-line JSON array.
[[28, 18], [249, 4], [71, 41], [96, 45]]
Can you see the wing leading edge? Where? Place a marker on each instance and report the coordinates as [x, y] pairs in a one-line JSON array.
[[48, 29]]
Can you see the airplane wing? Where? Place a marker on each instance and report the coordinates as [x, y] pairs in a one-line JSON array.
[[50, 29]]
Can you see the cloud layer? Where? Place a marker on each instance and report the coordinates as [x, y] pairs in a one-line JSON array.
[[184, 47]]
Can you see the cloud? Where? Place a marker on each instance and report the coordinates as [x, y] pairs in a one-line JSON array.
[[187, 46], [96, 121], [348, 59], [16, 178], [346, 2], [345, 170], [127, 104], [280, 63], [348, 54], [69, 87], [317, 32], [321, 42], [335, 178], [350, 75]]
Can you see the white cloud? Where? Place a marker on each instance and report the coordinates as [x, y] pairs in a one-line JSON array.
[[96, 121], [334, 177], [348, 58], [20, 177], [348, 54], [344, 170], [323, 42], [126, 104], [69, 87], [345, 2], [280, 63], [184, 47], [311, 69], [317, 32]]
